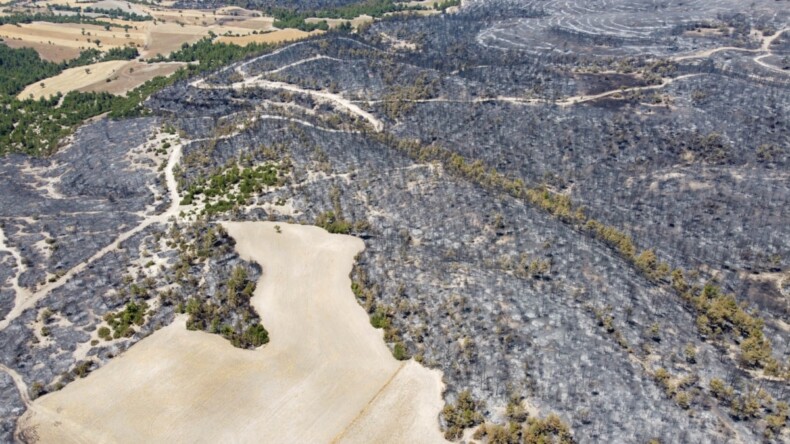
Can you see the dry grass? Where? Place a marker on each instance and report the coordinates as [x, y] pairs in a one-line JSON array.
[[52, 53], [72, 79], [326, 375], [164, 38], [257, 23], [70, 35], [56, 41], [230, 16], [122, 5], [334, 23], [94, 78], [125, 80], [283, 35]]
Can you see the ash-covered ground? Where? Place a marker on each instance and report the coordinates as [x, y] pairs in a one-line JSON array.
[[478, 154]]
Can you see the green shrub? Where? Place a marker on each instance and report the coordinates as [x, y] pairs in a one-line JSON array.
[[463, 414], [549, 430], [256, 335]]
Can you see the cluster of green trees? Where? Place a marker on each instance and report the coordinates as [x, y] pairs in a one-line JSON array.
[[80, 370], [36, 126], [114, 13], [284, 18], [380, 315], [752, 403], [18, 18], [333, 220], [231, 186], [401, 98], [122, 323], [442, 6], [719, 315], [333, 223], [463, 414], [207, 315], [210, 55], [373, 8], [521, 428], [21, 67], [288, 18], [121, 53]]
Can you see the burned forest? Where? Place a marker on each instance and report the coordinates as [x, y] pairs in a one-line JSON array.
[[577, 210]]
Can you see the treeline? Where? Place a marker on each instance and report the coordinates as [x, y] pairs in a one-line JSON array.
[[23, 66], [442, 6], [289, 18], [115, 13], [465, 413], [36, 126], [373, 8], [210, 55], [16, 18], [719, 316], [231, 186]]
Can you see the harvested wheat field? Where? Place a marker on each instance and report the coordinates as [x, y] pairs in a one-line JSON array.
[[51, 40], [122, 5], [124, 80], [334, 23], [164, 38], [47, 51], [282, 35], [326, 375], [187, 16], [257, 23], [74, 35], [95, 78], [72, 79]]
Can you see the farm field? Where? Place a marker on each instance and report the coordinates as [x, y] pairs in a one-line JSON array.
[[325, 376], [282, 35], [116, 77], [74, 35], [47, 51]]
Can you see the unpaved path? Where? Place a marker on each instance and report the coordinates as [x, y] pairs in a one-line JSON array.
[[326, 376], [26, 299], [320, 96], [19, 292], [764, 51], [568, 101], [19, 382]]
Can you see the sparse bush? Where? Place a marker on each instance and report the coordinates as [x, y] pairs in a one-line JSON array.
[[549, 430], [463, 414]]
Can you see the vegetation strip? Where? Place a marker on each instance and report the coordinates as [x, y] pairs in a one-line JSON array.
[[718, 314]]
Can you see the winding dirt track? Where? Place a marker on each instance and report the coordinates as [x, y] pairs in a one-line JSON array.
[[320, 96], [29, 300], [326, 375]]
